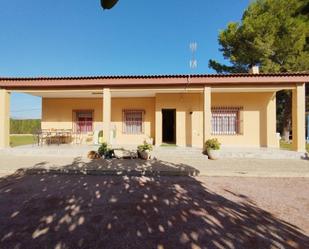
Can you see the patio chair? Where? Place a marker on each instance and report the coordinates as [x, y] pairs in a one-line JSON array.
[[46, 138], [36, 137], [77, 137], [41, 137], [67, 136], [61, 136], [89, 138]]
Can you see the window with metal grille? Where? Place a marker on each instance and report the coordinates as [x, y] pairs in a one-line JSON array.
[[225, 120], [83, 121], [133, 121]]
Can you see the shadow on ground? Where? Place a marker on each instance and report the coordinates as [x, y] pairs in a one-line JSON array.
[[83, 211], [116, 167]]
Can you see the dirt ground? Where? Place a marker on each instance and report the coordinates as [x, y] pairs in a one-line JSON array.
[[75, 211]]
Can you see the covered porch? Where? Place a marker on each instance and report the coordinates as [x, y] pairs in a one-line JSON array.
[[186, 111]]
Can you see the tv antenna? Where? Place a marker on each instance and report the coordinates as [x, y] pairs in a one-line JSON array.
[[193, 61]]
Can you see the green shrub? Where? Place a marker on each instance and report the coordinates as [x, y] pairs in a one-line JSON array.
[[24, 126], [103, 149], [145, 146], [106, 151], [212, 144]]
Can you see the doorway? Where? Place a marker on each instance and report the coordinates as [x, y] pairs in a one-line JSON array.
[[169, 126]]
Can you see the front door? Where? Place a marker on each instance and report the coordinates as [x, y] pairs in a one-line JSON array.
[[169, 126]]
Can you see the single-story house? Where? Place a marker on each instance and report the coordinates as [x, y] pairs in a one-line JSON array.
[[238, 109]]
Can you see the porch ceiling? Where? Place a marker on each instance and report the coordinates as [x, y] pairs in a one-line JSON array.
[[86, 94], [150, 92], [251, 89], [98, 93]]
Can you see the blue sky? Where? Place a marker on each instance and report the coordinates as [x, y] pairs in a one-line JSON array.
[[64, 38]]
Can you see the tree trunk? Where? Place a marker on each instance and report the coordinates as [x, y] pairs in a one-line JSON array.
[[287, 117], [286, 134]]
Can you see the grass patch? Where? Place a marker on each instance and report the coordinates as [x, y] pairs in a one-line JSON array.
[[21, 140], [168, 145], [288, 146]]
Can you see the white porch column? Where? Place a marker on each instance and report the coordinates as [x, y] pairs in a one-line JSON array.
[[298, 118], [158, 125], [4, 118], [271, 123], [106, 114], [206, 114]]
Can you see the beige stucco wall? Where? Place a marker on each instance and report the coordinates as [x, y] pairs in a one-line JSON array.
[[146, 104], [258, 116], [58, 113], [189, 127]]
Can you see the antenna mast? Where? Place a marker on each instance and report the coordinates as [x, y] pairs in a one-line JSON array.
[[193, 60]]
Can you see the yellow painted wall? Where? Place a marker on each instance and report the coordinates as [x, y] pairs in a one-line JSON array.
[[58, 113], [146, 104], [258, 115], [189, 127]]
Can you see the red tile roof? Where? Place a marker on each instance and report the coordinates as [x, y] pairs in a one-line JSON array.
[[144, 80]]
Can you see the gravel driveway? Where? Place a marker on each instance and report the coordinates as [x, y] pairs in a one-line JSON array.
[[75, 211]]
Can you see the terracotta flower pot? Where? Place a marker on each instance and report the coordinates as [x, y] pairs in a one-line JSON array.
[[144, 154], [213, 154]]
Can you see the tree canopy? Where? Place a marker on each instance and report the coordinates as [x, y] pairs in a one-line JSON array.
[[108, 4], [273, 34]]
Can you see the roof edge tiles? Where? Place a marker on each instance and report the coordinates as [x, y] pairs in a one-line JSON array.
[[131, 80]]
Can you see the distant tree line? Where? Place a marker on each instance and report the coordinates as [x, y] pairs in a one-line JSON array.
[[24, 126]]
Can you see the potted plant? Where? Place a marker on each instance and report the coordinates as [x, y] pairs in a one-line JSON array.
[[212, 147], [106, 151], [144, 150]]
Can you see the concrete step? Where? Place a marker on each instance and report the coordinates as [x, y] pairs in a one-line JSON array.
[[161, 153], [249, 153]]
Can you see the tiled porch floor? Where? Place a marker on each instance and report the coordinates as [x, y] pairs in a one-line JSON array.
[[162, 153], [166, 161]]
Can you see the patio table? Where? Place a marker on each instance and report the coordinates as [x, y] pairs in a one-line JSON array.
[[53, 136]]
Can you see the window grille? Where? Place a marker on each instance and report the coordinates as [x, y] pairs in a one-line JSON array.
[[83, 121], [225, 120], [133, 121]]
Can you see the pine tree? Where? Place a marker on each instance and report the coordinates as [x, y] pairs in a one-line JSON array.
[[273, 34]]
